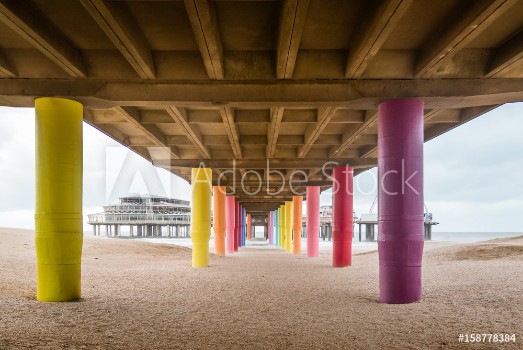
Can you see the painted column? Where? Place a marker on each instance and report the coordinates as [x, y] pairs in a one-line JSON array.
[[297, 203], [219, 219], [282, 223], [313, 221], [342, 209], [58, 210], [288, 227], [249, 227], [276, 231], [240, 228], [244, 227], [201, 215], [400, 199], [269, 225], [236, 224], [229, 224]]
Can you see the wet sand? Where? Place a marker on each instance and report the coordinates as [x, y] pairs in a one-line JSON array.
[[139, 295]]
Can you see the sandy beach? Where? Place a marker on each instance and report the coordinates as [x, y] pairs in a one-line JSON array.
[[139, 295]]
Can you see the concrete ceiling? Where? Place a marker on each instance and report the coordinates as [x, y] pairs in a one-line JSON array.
[[297, 82]]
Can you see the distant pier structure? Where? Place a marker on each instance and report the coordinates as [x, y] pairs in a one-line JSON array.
[[371, 222], [146, 216]]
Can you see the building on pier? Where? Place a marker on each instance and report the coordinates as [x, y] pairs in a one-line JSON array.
[[146, 216], [370, 221]]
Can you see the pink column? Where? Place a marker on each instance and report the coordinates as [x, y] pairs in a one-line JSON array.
[[342, 193], [236, 224], [269, 227], [229, 224], [313, 221], [400, 200]]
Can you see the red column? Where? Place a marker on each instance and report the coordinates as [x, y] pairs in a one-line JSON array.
[[342, 193], [236, 224], [229, 224], [400, 199], [313, 221]]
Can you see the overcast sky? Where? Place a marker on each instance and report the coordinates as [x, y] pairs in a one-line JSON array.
[[472, 179]]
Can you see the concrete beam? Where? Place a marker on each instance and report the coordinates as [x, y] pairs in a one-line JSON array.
[[373, 35], [312, 133], [274, 163], [357, 94], [117, 23], [179, 115], [506, 56], [5, 67], [203, 21], [157, 137], [466, 114], [292, 20], [456, 36], [234, 137], [347, 140], [42, 35], [274, 128]]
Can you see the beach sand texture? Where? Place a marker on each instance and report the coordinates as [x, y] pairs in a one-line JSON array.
[[139, 295]]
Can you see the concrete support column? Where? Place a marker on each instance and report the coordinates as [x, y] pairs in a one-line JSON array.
[[282, 225], [270, 221], [400, 199], [297, 203], [236, 224], [249, 237], [313, 221], [242, 228], [276, 232], [342, 204], [58, 210], [219, 219], [288, 227], [201, 180], [230, 220]]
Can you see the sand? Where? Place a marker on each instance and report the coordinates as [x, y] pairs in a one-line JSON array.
[[139, 295]]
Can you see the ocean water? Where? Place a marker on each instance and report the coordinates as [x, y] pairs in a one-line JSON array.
[[470, 237]]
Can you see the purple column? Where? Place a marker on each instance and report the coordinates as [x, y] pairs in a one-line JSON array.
[[342, 204], [400, 200], [269, 227], [236, 224]]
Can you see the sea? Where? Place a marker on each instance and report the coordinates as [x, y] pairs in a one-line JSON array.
[[471, 237]]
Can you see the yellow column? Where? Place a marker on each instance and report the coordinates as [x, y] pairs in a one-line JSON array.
[[282, 226], [58, 209], [201, 180], [288, 227], [297, 202]]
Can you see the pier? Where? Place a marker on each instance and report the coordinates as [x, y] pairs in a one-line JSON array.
[[269, 102], [145, 216]]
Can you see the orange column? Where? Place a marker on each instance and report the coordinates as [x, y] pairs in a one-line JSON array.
[[218, 224], [248, 226], [297, 202]]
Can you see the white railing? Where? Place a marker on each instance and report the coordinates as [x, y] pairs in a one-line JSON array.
[[137, 218]]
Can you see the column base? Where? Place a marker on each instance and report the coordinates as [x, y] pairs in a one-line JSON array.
[[341, 254], [200, 255], [57, 283], [400, 284]]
